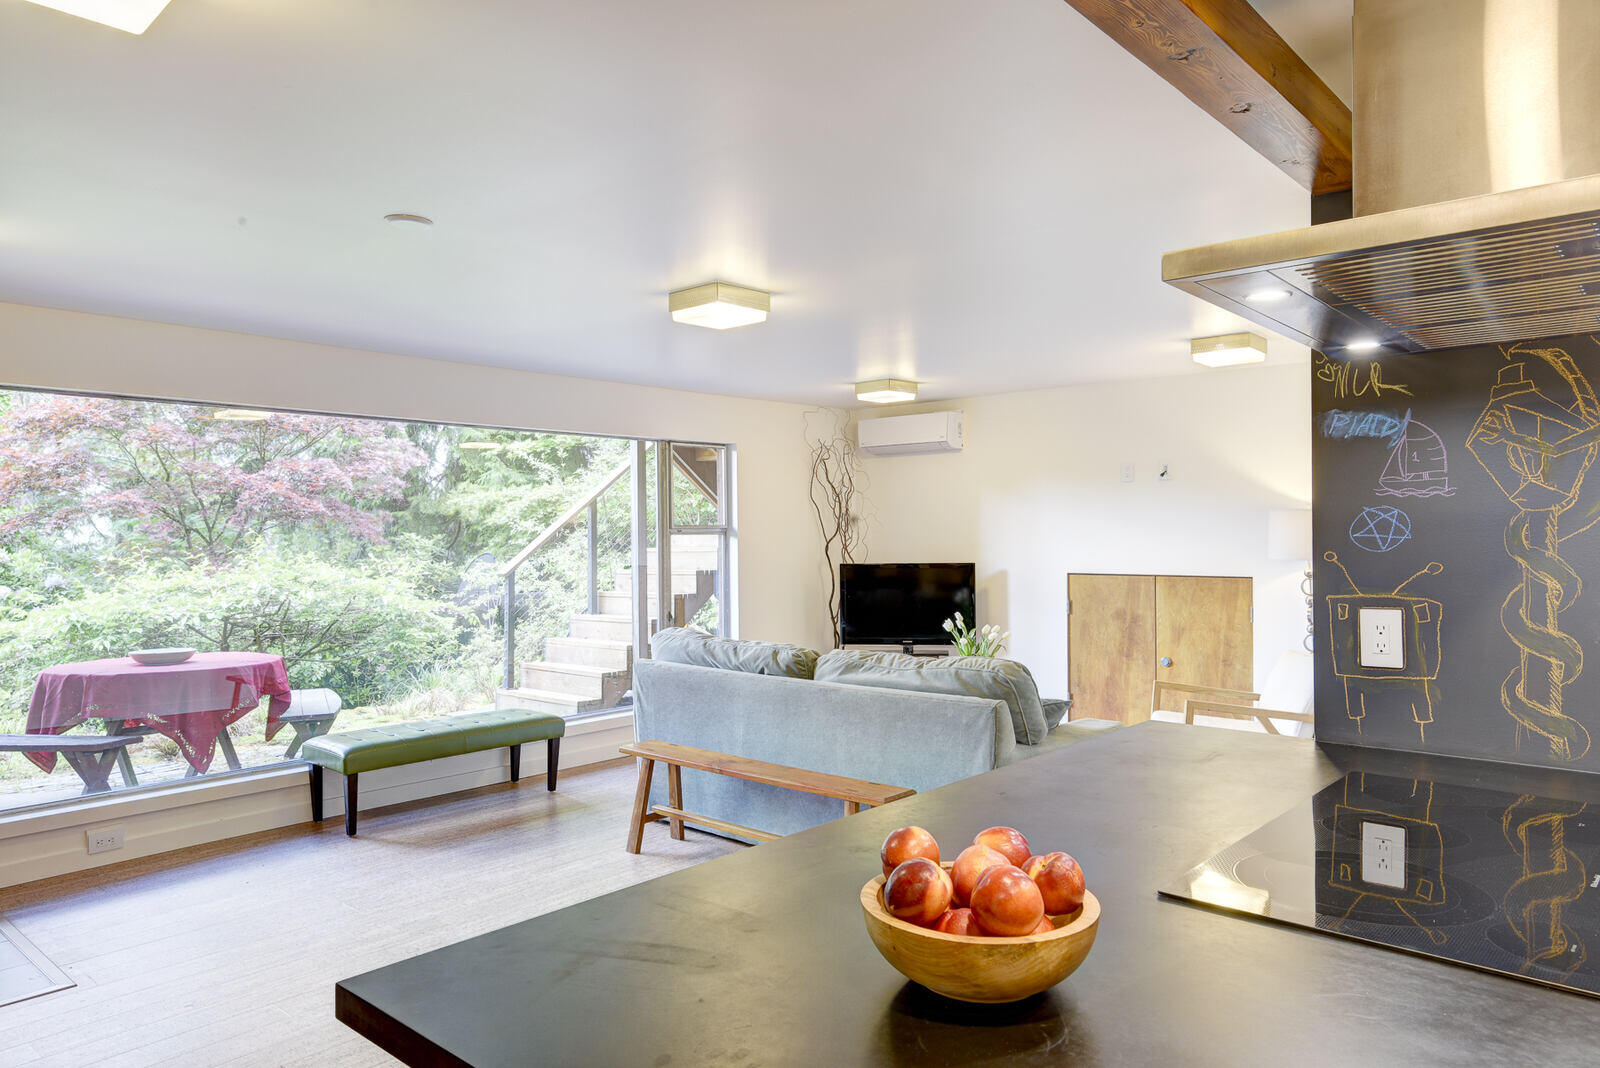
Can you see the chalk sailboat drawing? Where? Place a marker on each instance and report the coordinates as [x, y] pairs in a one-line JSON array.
[[1418, 466]]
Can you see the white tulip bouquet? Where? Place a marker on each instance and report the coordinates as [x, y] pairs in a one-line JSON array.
[[985, 641]]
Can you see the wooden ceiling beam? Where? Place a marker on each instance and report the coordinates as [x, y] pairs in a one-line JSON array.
[[1225, 58]]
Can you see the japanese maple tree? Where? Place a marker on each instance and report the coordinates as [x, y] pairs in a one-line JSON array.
[[181, 482]]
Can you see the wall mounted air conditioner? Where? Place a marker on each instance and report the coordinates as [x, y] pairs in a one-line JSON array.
[[901, 435]]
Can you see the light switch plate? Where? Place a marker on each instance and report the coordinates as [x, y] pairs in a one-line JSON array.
[[1382, 645], [1383, 855]]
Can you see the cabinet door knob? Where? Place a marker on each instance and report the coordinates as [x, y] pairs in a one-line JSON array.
[[1166, 661]]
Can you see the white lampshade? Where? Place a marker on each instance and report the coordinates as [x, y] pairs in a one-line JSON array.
[[719, 306], [1289, 534]]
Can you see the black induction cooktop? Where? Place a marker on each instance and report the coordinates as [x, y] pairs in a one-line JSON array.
[[1501, 881]]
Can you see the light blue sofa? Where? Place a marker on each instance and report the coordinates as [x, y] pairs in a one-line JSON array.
[[901, 737]]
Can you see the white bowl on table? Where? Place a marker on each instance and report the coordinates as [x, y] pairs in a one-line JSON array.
[[158, 657]]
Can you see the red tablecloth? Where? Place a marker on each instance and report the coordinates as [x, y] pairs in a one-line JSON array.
[[191, 703]]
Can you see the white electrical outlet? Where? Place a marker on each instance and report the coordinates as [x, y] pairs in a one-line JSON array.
[[105, 839], [1381, 642], [1127, 472], [1383, 855]]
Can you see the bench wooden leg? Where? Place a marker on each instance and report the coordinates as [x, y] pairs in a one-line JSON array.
[[125, 765], [552, 750], [516, 762], [852, 807], [641, 805], [675, 793], [316, 793], [350, 805]]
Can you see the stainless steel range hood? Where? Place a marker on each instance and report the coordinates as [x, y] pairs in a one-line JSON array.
[[1499, 98]]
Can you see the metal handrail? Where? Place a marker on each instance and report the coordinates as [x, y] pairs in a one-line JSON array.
[[587, 505], [566, 517]]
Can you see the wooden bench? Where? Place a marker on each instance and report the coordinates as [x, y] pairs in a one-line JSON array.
[[395, 744], [853, 792], [92, 756]]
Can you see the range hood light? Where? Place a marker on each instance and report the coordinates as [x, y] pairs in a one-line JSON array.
[[1364, 345], [1268, 296]]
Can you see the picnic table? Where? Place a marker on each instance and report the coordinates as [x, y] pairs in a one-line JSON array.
[[191, 703]]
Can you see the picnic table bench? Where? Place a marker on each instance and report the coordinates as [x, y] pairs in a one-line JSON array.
[[853, 792], [92, 756]]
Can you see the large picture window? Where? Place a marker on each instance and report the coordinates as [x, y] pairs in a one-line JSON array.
[[329, 572]]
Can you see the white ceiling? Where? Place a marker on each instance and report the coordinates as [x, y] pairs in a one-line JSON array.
[[973, 195]]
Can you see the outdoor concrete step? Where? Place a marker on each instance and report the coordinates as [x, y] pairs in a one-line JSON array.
[[561, 704], [595, 652], [684, 580], [607, 626], [606, 685]]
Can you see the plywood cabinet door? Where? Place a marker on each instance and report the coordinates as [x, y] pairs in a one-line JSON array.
[[1111, 637], [1204, 635]]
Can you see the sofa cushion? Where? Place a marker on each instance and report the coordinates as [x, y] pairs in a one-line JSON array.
[[975, 676], [688, 645], [1055, 711]]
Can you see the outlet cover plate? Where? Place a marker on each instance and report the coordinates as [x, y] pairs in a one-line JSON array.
[[104, 839], [1382, 644], [1383, 855]]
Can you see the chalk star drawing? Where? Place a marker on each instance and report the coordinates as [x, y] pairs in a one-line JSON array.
[[1380, 529], [1538, 451]]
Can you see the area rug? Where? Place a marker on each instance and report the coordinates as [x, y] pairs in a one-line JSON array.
[[24, 971]]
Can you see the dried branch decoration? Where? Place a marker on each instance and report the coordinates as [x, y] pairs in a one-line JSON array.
[[837, 485]]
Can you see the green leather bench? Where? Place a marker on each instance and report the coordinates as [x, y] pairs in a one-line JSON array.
[[390, 746]]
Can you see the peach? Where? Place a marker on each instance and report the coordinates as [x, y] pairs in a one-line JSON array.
[[970, 864], [1007, 902], [959, 922], [917, 891], [905, 843], [1060, 881], [1008, 842]]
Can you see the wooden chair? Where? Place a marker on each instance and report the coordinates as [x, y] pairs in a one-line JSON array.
[[1282, 707], [311, 714]]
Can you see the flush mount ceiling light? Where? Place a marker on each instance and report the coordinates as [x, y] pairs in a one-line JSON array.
[[134, 16], [402, 218], [719, 306], [1228, 350], [886, 391], [240, 415]]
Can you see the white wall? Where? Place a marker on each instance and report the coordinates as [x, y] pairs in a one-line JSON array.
[[1036, 494]]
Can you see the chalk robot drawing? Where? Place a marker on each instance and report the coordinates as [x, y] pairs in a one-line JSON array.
[[1388, 693], [1538, 451]]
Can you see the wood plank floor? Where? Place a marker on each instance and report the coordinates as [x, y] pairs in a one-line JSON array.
[[227, 954]]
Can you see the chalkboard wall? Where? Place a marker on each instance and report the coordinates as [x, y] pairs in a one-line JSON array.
[[1457, 487]]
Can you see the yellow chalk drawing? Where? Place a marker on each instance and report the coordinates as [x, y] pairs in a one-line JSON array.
[[1552, 878], [1538, 452], [1424, 849], [1355, 379], [1386, 692]]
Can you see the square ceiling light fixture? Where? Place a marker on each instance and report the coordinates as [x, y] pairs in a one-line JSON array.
[[1228, 350], [886, 391], [719, 306], [134, 16]]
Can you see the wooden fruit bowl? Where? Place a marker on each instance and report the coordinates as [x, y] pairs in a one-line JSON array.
[[977, 968]]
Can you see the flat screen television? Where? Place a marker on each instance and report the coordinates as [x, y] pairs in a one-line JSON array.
[[903, 604]]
